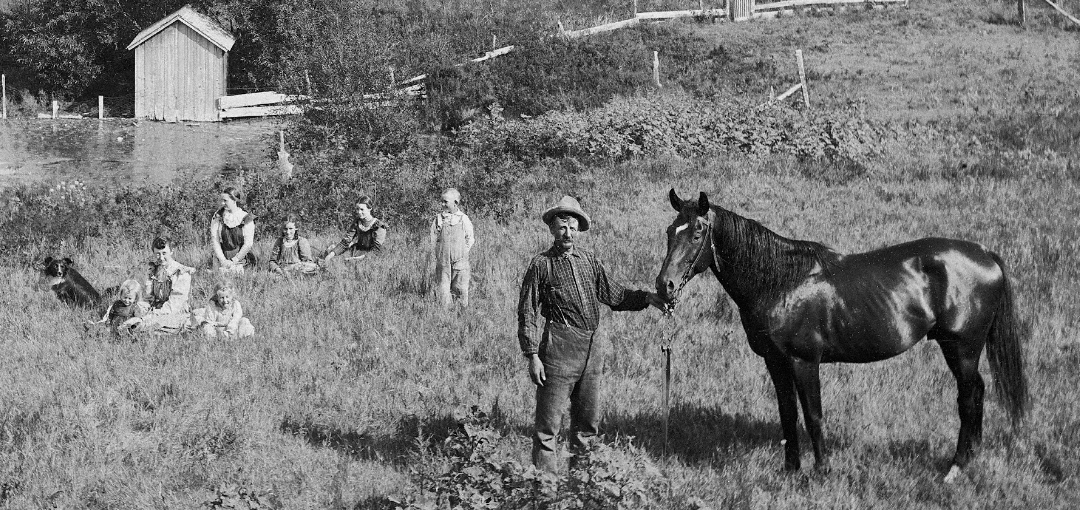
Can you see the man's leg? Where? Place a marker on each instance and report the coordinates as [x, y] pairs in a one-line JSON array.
[[550, 402], [585, 412]]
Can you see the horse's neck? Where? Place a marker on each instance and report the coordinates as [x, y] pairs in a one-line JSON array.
[[753, 263]]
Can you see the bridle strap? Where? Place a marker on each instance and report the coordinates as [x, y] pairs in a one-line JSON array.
[[689, 272]]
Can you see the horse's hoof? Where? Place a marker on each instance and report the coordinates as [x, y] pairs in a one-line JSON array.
[[954, 473]]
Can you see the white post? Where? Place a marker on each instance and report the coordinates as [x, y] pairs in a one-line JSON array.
[[100, 107], [393, 81], [656, 68], [55, 108], [802, 78], [493, 39], [3, 87], [635, 8]]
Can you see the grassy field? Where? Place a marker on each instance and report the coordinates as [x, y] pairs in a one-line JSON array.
[[352, 371]]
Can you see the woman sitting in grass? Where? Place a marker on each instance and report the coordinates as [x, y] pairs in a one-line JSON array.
[[167, 292], [223, 316], [292, 253], [367, 234], [232, 234]]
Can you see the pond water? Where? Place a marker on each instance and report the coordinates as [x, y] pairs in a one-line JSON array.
[[125, 150]]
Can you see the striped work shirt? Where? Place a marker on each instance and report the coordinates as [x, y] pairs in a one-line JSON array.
[[569, 288]]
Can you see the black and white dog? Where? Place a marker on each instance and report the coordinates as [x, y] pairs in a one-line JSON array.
[[69, 286]]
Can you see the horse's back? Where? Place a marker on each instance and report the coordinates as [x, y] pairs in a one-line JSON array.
[[877, 304]]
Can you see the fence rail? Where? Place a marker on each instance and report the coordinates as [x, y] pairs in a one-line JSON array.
[[272, 103]]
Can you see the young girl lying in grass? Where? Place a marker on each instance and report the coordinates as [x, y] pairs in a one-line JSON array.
[[223, 316]]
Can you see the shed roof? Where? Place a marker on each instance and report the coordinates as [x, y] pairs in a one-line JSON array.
[[202, 25]]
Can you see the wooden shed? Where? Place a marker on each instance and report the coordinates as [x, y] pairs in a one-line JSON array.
[[181, 67]]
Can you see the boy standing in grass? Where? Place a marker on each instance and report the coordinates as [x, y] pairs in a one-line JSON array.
[[452, 237], [567, 285]]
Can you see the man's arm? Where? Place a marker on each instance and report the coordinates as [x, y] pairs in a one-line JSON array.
[[613, 294], [528, 304]]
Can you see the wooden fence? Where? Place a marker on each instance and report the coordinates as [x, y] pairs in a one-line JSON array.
[[733, 10], [272, 103]]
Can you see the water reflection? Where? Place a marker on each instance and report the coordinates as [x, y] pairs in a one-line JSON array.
[[125, 150]]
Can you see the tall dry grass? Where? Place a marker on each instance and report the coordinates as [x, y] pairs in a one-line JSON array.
[[324, 404]]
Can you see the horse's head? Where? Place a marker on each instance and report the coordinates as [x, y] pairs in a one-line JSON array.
[[689, 243]]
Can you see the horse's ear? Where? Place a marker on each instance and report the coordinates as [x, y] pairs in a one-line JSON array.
[[703, 205], [676, 202]]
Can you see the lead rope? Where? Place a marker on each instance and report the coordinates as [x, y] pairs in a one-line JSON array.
[[667, 349]]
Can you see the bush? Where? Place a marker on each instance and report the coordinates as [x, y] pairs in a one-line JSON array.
[[468, 476], [676, 123]]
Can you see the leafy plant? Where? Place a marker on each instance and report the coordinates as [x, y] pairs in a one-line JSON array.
[[614, 475], [240, 498]]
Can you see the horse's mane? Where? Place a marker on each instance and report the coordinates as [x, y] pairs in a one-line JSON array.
[[777, 263]]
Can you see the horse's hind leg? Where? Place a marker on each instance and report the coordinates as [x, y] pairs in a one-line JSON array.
[[808, 382], [963, 360], [781, 373]]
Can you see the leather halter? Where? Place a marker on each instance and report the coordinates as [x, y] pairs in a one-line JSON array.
[[687, 274]]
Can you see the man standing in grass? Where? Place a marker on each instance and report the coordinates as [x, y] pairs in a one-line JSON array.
[[452, 237], [567, 285]]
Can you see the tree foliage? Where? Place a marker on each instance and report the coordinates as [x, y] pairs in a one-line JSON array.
[[77, 47]]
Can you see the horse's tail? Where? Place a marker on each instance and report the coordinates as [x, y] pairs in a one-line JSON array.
[[1005, 353]]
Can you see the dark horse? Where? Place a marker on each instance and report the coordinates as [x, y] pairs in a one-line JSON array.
[[802, 304]]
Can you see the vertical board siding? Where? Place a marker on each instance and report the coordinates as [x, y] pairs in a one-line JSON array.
[[179, 75], [140, 85]]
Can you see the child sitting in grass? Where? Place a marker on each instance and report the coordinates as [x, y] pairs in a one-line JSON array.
[[128, 305], [223, 316], [292, 253]]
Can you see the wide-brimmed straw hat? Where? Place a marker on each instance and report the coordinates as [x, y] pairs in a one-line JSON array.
[[568, 205]]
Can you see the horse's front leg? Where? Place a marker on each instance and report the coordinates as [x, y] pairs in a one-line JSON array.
[[780, 370], [808, 382]]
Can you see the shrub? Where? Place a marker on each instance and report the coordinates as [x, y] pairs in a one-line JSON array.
[[676, 123], [616, 475]]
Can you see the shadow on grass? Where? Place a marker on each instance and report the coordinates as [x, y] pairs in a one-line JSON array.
[[697, 434], [401, 445]]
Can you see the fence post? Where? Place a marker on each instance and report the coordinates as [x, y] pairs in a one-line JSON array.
[[100, 107], [392, 80], [3, 87], [55, 108], [656, 68], [1020, 8], [635, 8], [802, 78]]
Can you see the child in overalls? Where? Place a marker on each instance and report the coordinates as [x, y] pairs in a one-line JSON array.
[[452, 237]]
